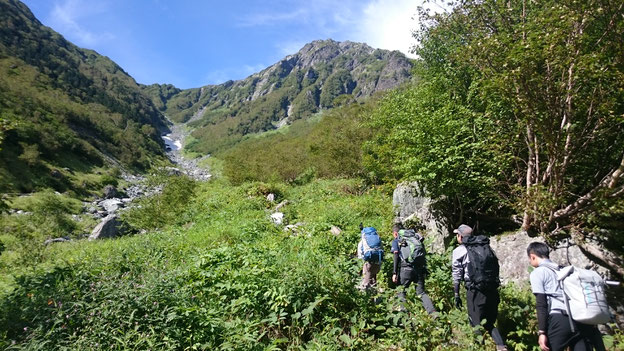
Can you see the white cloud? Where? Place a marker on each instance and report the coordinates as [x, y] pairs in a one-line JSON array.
[[66, 16], [388, 24], [263, 19], [385, 24]]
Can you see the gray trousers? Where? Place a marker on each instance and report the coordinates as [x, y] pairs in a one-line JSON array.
[[416, 275], [369, 275]]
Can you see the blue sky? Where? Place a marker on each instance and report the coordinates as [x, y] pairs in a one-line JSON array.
[[191, 43]]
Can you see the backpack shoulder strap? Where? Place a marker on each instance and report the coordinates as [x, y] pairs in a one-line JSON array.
[[561, 274], [365, 246]]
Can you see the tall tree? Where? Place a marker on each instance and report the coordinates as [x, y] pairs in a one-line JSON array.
[[557, 69]]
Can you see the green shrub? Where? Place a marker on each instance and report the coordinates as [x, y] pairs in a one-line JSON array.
[[165, 207]]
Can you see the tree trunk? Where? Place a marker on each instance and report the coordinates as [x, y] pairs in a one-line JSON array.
[[527, 220]]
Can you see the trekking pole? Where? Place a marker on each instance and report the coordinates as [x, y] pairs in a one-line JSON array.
[[612, 282]]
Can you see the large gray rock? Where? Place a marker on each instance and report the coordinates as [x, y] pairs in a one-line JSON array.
[[110, 191], [110, 227], [111, 205], [514, 263], [413, 206]]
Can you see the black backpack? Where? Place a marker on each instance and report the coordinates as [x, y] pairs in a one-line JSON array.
[[483, 268], [411, 249]]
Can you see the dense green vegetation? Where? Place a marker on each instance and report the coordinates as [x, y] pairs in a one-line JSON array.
[[56, 142], [328, 146], [222, 276], [517, 111]]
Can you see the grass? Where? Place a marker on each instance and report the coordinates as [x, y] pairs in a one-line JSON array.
[[224, 277]]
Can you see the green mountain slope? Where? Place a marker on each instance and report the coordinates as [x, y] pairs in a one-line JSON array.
[[294, 88], [67, 108]]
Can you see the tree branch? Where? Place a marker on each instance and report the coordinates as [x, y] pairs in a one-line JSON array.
[[608, 182], [605, 257]]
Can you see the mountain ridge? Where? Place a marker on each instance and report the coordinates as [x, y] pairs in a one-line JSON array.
[[296, 87]]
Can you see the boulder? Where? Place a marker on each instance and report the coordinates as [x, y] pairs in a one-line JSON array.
[[514, 264], [414, 208], [110, 191], [335, 230], [111, 205], [277, 218], [270, 197], [110, 227]]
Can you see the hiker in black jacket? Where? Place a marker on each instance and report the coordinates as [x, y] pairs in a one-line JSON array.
[[481, 280], [407, 272]]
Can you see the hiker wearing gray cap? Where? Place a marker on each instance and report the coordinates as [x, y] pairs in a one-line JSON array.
[[475, 263]]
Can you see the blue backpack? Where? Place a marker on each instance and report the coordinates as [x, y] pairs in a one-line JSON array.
[[372, 250]]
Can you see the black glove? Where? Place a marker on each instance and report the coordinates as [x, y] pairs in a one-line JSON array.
[[458, 302]]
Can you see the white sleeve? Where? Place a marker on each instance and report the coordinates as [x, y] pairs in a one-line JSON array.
[[360, 250]]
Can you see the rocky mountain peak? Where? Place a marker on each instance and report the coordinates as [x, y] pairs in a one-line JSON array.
[[295, 87]]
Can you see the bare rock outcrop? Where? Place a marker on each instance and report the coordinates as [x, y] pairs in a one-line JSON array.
[[414, 207], [109, 191], [110, 227], [514, 264]]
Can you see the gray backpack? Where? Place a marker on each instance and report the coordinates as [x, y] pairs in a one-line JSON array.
[[411, 249]]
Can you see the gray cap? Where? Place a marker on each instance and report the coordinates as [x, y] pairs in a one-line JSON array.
[[463, 230]]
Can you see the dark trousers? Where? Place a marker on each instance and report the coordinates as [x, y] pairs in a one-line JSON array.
[[560, 335], [484, 306], [416, 275]]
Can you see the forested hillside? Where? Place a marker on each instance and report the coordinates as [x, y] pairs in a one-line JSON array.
[[65, 109], [294, 88]]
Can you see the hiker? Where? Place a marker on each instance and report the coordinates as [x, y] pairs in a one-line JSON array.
[[475, 263], [370, 250], [410, 265], [554, 325]]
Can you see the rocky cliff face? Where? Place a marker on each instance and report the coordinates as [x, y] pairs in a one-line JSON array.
[[371, 70], [413, 208]]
